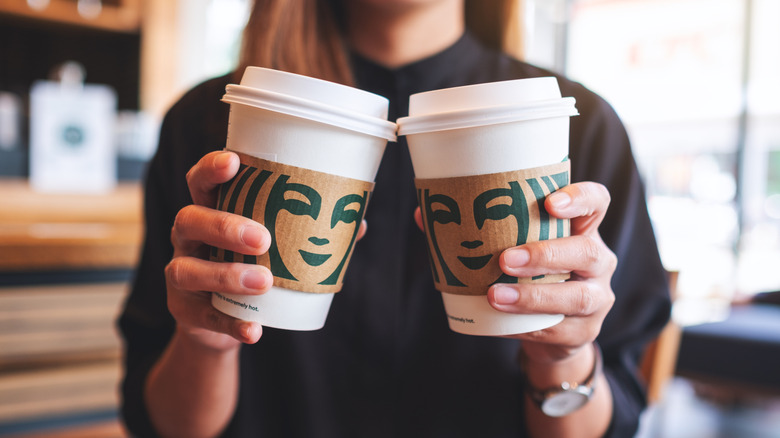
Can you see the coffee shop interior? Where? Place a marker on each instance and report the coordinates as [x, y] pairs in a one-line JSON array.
[[695, 82]]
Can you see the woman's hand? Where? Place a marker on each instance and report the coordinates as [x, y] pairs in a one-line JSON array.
[[562, 352], [190, 277], [585, 299]]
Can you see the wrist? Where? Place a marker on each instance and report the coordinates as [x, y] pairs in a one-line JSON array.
[[546, 365], [560, 387], [193, 389]]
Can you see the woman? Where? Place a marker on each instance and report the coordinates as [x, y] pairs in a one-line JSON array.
[[386, 363]]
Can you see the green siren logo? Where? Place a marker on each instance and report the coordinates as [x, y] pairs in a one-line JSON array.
[[313, 219], [470, 220]]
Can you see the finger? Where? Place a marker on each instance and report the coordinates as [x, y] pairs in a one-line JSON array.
[[212, 170], [571, 298], [243, 331], [418, 218], [362, 230], [561, 340], [584, 255], [246, 331], [585, 203], [195, 225], [205, 320], [194, 274]]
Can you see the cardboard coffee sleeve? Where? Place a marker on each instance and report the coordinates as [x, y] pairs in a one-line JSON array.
[[470, 220], [313, 218]]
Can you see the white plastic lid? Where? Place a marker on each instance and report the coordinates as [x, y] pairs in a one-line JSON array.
[[485, 104], [313, 99]]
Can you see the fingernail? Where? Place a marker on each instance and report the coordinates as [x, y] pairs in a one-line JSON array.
[[222, 160], [252, 236], [560, 199], [252, 279], [247, 330], [516, 258], [505, 295]]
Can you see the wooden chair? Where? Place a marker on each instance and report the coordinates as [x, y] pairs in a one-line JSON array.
[[660, 357]]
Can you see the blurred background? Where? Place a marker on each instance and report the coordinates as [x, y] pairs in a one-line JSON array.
[[695, 82]]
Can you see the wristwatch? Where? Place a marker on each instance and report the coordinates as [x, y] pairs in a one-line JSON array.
[[566, 398]]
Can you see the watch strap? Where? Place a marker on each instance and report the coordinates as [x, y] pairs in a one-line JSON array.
[[586, 387]]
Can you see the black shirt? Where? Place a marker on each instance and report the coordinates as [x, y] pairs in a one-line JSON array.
[[386, 363]]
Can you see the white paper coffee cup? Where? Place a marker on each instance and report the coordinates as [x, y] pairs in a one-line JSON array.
[[310, 124], [481, 130]]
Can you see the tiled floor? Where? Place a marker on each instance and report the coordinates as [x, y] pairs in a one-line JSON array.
[[684, 414]]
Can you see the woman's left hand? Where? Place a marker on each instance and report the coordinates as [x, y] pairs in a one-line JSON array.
[[585, 299]]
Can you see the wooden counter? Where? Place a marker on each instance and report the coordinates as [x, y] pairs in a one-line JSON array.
[[43, 231]]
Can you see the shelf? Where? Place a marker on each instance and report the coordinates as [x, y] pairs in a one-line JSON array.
[[59, 324], [117, 16], [58, 391], [60, 352]]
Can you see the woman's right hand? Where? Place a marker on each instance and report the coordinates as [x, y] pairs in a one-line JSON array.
[[190, 277]]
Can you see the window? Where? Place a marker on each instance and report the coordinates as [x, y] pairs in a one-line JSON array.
[[695, 83], [211, 38]]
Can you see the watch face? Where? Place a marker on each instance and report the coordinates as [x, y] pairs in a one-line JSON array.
[[564, 403]]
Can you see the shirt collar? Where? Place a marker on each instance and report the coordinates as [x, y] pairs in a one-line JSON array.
[[441, 70]]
